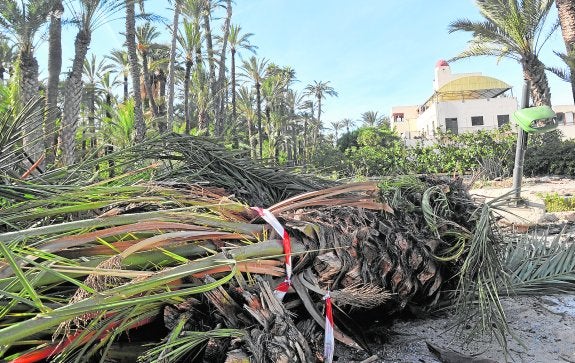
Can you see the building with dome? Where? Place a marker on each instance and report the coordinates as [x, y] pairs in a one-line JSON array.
[[463, 102]]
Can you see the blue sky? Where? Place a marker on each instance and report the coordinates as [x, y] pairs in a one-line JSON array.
[[375, 53]]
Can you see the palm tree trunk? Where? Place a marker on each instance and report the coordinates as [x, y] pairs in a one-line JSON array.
[[126, 92], [33, 137], [303, 154], [259, 113], [211, 61], [134, 70], [319, 110], [73, 97], [189, 64], [566, 10], [54, 69], [222, 72], [233, 70], [294, 143], [148, 85], [172, 68], [92, 117], [534, 72]]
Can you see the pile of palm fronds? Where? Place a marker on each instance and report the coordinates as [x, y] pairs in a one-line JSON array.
[[166, 254]]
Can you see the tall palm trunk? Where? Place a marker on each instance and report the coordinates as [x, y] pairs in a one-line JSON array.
[[92, 116], [187, 76], [33, 136], [125, 84], [54, 69], [148, 84], [566, 10], [172, 69], [211, 60], [221, 87], [73, 97], [139, 123], [534, 71], [304, 153], [259, 114], [294, 143], [319, 109], [233, 70], [251, 139]]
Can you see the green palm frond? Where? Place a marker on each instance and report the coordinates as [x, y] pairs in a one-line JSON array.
[[180, 344], [569, 60], [538, 265], [482, 278], [13, 159]]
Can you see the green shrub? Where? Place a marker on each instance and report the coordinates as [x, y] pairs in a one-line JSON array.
[[547, 154], [557, 203]]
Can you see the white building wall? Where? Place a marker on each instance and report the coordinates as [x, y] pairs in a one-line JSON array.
[[427, 122], [434, 117], [489, 108]]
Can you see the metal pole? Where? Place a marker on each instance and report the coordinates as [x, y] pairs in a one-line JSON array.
[[521, 146]]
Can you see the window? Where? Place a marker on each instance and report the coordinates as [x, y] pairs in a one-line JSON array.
[[502, 120], [476, 120], [398, 117], [451, 125]]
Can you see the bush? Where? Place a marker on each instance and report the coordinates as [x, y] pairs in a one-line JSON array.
[[556, 203], [547, 154]]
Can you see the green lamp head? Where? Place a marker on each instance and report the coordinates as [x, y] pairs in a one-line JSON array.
[[535, 119]]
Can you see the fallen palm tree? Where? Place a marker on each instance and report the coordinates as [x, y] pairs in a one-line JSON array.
[[83, 272]]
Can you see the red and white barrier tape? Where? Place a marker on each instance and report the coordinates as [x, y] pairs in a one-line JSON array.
[[329, 340], [283, 287]]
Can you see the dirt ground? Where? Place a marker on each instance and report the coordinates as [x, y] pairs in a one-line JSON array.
[[544, 326]]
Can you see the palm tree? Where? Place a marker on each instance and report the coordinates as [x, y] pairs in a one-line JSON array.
[[255, 70], [347, 123], [139, 123], [566, 10], [207, 7], [172, 64], [294, 101], [106, 84], [336, 126], [88, 15], [319, 90], [511, 29], [94, 71], [272, 90], [221, 82], [145, 36], [245, 102], [308, 108], [371, 118], [22, 21], [189, 41], [54, 69], [120, 60]]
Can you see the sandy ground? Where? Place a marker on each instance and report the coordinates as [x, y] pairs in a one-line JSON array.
[[544, 326]]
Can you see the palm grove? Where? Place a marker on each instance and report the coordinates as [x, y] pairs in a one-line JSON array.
[[197, 83], [206, 79]]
